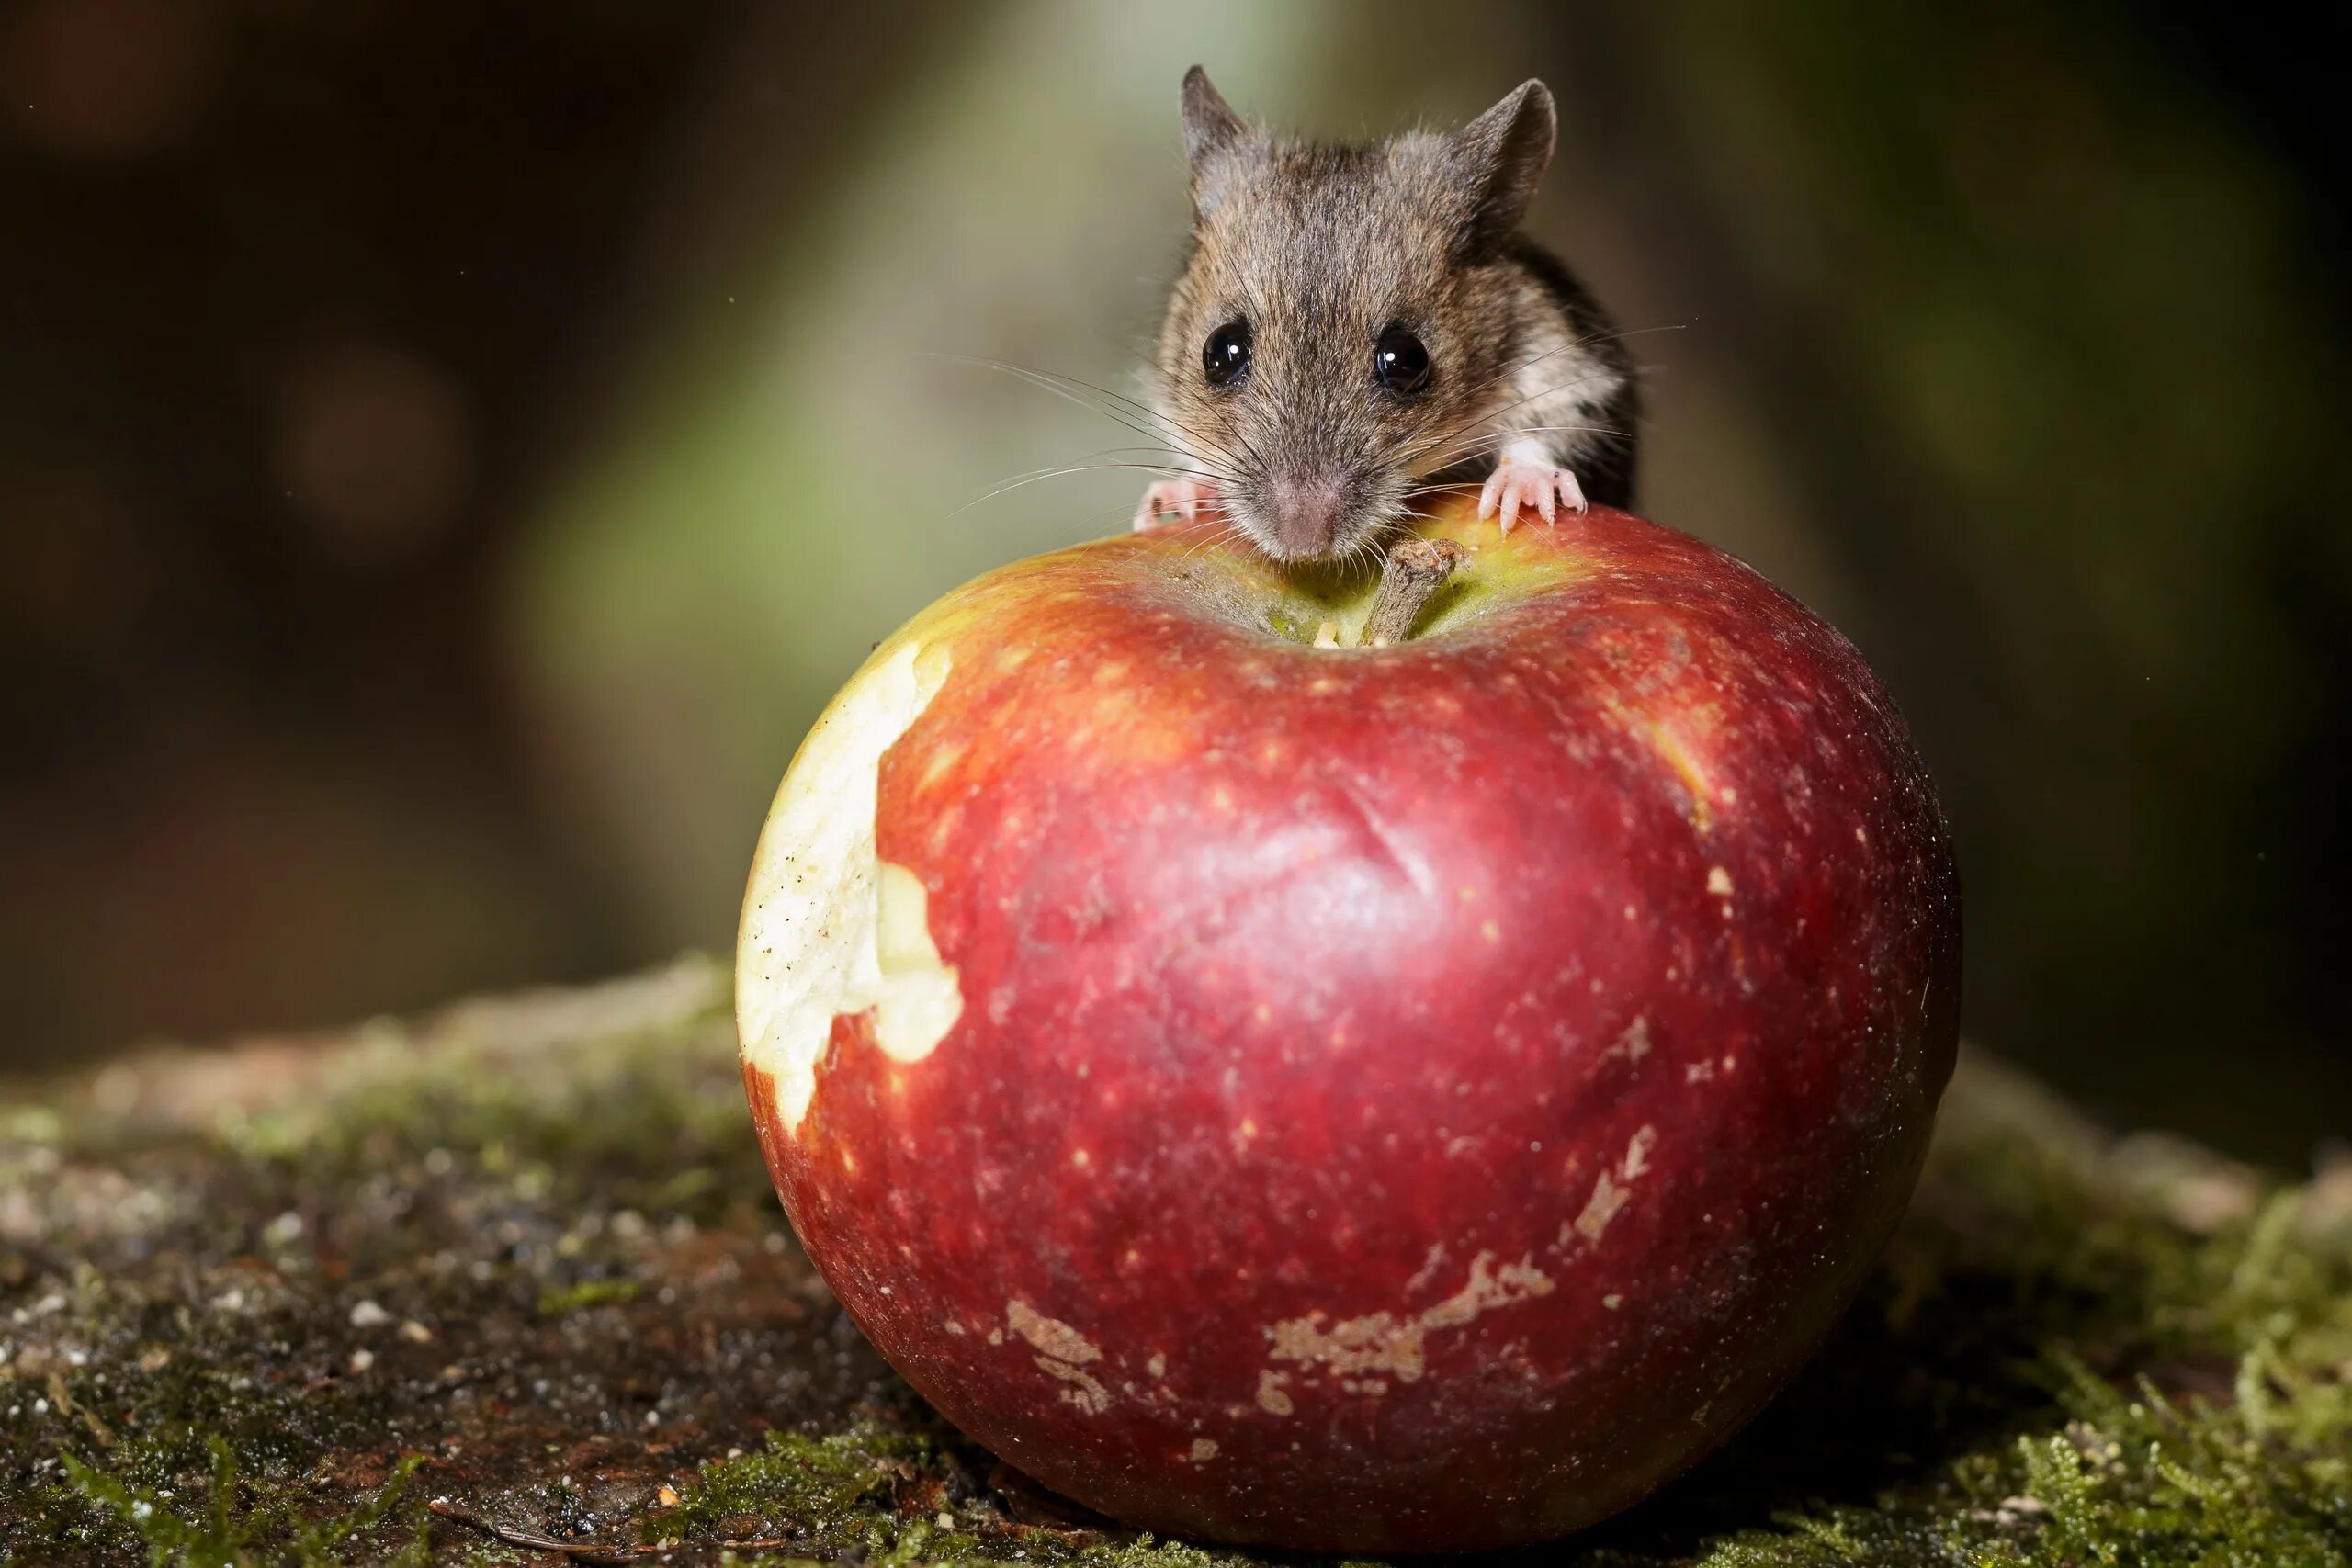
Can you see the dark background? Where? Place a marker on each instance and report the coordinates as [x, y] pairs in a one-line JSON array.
[[447, 452]]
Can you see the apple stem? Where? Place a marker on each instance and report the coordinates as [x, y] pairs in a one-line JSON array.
[[1414, 571]]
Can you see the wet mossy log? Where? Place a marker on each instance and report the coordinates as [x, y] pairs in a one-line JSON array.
[[517, 1268]]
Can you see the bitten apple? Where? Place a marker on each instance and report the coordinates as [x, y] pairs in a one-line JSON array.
[[1363, 1099]]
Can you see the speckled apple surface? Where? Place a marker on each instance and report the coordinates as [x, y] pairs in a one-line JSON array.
[[1372, 1099]]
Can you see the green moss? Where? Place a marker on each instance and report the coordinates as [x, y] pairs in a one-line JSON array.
[[883, 1494], [121, 1445], [820, 1484], [228, 1529], [233, 1319], [1960, 1408], [2053, 1369], [586, 1293]]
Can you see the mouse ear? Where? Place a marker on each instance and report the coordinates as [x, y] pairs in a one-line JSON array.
[[1211, 129], [1500, 158], [1209, 121]]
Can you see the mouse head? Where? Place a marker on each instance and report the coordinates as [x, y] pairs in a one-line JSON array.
[[1343, 321]]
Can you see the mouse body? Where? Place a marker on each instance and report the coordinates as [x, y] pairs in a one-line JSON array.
[[1357, 327]]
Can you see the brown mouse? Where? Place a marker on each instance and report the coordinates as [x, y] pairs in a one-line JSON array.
[[1357, 327]]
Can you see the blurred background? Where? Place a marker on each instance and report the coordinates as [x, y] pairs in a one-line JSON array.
[[449, 451]]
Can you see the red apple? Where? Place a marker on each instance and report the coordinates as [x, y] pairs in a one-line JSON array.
[[1355, 1099]]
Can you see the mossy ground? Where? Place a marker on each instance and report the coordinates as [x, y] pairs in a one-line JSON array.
[[270, 1304]]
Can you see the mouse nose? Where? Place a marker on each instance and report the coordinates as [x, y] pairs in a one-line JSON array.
[[1307, 512]]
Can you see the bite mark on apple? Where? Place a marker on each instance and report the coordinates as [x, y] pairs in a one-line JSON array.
[[1397, 1345], [919, 998], [830, 929]]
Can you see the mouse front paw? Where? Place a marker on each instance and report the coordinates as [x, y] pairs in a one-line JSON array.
[[1187, 499], [1533, 484]]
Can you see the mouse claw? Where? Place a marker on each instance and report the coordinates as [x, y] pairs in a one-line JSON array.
[[1186, 498], [1536, 486]]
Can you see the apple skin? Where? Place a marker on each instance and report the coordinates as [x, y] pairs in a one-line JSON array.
[[1404, 1100]]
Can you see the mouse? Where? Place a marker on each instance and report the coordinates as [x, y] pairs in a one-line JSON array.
[[1357, 329]]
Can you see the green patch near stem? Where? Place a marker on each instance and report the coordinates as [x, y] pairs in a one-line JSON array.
[[1299, 601]]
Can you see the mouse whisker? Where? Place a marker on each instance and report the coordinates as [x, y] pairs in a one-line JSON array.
[[1474, 427], [1124, 410], [1216, 449], [1179, 461], [1516, 367], [1226, 533], [1585, 340], [1126, 453], [1370, 549], [1439, 458], [1488, 415], [1031, 373], [1162, 470], [1050, 383], [1620, 335]]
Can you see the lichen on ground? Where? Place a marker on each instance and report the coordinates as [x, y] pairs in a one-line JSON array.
[[374, 1297]]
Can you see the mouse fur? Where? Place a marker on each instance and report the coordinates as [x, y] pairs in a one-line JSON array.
[[1324, 253]]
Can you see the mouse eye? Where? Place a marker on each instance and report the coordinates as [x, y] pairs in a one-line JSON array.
[[1227, 354], [1400, 362]]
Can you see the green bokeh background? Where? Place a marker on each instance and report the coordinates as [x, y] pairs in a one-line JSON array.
[[2008, 337]]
